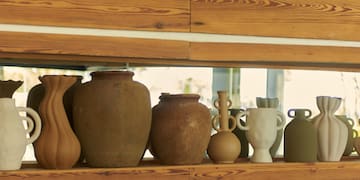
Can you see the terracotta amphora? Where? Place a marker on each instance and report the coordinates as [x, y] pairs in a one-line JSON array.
[[224, 146]]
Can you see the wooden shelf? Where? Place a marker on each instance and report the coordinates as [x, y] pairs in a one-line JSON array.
[[348, 168]]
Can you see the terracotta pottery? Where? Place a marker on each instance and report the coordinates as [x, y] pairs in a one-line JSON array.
[[180, 131], [57, 147], [240, 134], [224, 146], [7, 88], [332, 133], [13, 136], [112, 116], [271, 103], [37, 93], [351, 134], [300, 137]]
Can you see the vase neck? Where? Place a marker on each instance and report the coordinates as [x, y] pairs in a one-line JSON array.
[[179, 97], [58, 83], [112, 75]]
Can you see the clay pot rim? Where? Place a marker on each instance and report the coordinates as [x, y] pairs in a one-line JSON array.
[[53, 75], [101, 73], [176, 96]]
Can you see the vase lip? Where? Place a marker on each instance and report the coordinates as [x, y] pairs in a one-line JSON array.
[[179, 96], [330, 97], [6, 99], [102, 73], [79, 77]]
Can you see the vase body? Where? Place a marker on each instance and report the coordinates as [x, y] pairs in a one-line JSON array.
[[224, 146], [112, 118], [180, 131], [13, 134], [240, 134], [300, 138], [7, 88], [332, 133], [57, 147], [37, 93], [261, 129], [271, 103], [351, 134]]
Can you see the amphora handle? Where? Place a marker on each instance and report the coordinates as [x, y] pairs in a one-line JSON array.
[[238, 117]]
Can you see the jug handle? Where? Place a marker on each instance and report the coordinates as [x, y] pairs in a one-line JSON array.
[[36, 118], [238, 116]]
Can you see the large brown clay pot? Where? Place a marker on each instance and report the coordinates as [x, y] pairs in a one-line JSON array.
[[112, 116], [57, 147], [180, 130]]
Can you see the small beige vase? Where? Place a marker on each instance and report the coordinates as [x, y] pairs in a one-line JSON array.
[[332, 133], [224, 147], [57, 147]]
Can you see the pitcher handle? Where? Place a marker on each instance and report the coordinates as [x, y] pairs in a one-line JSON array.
[[280, 118], [238, 123], [36, 118]]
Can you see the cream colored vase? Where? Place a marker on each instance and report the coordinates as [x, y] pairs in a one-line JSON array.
[[13, 134], [332, 133], [261, 127]]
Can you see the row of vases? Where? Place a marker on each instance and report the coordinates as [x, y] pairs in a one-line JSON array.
[[112, 118], [326, 137]]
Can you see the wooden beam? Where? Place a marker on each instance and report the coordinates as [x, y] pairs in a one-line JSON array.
[[242, 169], [274, 53], [322, 19], [56, 44], [157, 15]]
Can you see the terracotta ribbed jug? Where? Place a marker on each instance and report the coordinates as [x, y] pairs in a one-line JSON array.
[[57, 147]]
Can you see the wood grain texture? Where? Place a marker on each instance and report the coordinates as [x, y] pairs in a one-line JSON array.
[[158, 15], [322, 19], [343, 170], [37, 43], [258, 53]]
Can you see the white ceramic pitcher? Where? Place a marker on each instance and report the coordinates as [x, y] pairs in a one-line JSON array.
[[261, 127], [13, 138]]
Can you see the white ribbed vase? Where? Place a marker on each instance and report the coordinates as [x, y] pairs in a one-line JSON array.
[[332, 133]]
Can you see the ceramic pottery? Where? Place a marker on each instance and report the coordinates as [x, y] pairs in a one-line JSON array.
[[357, 145], [271, 103], [112, 118], [240, 134], [13, 134], [261, 127], [37, 93], [224, 146], [351, 134], [300, 137], [7, 88], [180, 131], [57, 147], [332, 133]]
